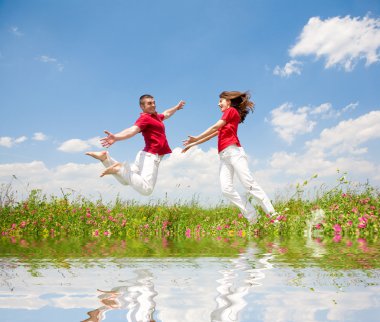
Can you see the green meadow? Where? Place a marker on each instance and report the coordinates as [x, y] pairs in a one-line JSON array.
[[347, 209]]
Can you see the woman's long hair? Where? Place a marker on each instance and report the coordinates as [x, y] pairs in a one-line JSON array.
[[241, 101]]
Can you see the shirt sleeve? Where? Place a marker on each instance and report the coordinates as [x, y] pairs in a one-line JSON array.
[[161, 117], [227, 115], [142, 122]]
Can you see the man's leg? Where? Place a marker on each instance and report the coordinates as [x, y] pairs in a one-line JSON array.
[[143, 174], [112, 166]]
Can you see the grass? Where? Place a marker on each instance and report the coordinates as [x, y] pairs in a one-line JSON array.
[[345, 210]]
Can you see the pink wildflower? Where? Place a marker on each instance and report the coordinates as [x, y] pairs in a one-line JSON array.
[[219, 228], [188, 233], [95, 233], [337, 238], [240, 216], [337, 229], [318, 226], [362, 222]]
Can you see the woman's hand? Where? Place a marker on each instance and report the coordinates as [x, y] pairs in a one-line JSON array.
[[187, 148], [191, 139], [108, 140]]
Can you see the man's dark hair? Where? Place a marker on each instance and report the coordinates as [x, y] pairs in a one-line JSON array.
[[142, 97]]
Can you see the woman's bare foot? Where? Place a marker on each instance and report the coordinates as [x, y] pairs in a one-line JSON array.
[[101, 155], [113, 169]]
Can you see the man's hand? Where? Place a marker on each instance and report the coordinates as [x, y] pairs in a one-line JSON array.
[[180, 105], [108, 140]]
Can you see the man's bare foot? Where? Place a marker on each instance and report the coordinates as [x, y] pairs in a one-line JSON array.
[[101, 155], [113, 169]]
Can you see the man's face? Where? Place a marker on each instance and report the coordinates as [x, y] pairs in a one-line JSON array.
[[148, 105]]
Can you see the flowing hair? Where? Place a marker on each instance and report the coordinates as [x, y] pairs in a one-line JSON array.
[[241, 101]]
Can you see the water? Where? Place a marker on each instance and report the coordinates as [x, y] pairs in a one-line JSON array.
[[207, 280]]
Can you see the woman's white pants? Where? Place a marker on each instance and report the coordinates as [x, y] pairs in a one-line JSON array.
[[234, 160], [142, 175]]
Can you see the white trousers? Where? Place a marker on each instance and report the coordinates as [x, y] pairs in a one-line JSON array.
[[142, 175], [234, 160]]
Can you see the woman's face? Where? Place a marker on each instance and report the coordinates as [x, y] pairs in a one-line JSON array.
[[224, 104]]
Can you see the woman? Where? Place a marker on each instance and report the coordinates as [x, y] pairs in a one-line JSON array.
[[235, 106]]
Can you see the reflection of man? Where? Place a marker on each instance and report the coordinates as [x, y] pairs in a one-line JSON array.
[[137, 297], [110, 302]]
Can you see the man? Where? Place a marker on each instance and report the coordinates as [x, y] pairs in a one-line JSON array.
[[141, 175]]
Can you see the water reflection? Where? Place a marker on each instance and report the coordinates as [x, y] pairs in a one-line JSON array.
[[268, 280], [137, 297], [236, 282]]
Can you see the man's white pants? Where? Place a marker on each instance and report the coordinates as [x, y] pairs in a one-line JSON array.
[[234, 160], [142, 175]]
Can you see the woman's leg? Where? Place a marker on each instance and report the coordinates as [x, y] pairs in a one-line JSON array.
[[226, 175], [240, 165]]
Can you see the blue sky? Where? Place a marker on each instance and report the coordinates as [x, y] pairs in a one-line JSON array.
[[71, 69]]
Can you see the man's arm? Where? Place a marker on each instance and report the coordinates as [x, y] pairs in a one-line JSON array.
[[123, 135], [169, 112]]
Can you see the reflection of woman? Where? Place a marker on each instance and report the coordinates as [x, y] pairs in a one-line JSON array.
[[235, 106], [236, 282]]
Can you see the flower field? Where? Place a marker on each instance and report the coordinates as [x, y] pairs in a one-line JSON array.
[[346, 210]]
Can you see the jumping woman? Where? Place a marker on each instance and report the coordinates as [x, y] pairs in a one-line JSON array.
[[235, 106]]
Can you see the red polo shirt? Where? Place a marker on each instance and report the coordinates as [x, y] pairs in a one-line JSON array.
[[153, 130], [228, 133]]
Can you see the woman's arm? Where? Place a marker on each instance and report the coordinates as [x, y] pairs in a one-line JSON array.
[[211, 130], [123, 135], [190, 145]]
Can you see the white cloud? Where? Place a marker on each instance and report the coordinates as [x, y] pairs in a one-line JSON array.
[[14, 30], [46, 59], [288, 123], [51, 60], [39, 136], [21, 139], [341, 41], [292, 67], [321, 109], [180, 177], [78, 145], [6, 141], [349, 107], [339, 147], [9, 142], [348, 135]]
